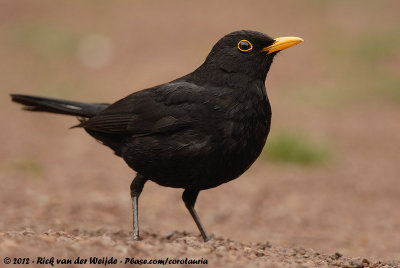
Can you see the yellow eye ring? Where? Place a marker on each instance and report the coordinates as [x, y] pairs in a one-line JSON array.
[[244, 46]]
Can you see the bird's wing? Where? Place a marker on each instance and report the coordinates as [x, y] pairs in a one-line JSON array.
[[163, 109]]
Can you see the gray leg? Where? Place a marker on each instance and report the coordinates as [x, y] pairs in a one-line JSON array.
[[189, 197], [136, 189]]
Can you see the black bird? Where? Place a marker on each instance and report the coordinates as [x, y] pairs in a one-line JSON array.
[[196, 132]]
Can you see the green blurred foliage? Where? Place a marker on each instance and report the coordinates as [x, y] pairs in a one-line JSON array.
[[48, 47], [375, 47], [365, 63], [30, 167], [44, 39], [295, 148]]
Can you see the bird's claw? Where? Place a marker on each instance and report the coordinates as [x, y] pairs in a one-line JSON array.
[[136, 237]]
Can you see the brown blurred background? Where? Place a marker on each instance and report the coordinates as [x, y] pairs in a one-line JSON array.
[[328, 179]]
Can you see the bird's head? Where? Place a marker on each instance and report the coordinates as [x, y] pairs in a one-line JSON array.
[[247, 52]]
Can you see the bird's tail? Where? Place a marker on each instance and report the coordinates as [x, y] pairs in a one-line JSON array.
[[51, 105]]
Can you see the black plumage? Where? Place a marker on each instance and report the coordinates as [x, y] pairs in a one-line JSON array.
[[196, 132]]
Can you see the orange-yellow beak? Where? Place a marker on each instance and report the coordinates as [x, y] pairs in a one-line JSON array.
[[282, 43]]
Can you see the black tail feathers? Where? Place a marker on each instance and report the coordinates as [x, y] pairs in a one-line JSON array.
[[58, 106]]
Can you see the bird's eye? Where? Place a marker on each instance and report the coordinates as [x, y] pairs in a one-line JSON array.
[[245, 46]]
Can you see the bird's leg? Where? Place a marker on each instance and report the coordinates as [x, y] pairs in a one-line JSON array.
[[136, 189], [189, 197]]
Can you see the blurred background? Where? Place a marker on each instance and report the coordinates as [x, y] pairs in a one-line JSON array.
[[328, 179]]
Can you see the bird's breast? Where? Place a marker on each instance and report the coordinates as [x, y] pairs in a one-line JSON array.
[[242, 136]]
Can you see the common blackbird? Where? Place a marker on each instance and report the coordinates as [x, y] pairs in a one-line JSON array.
[[196, 132]]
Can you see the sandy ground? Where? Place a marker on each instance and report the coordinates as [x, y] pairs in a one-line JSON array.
[[175, 248], [64, 195]]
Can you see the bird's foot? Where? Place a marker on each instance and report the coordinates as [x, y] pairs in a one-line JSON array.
[[136, 237], [170, 235], [207, 237]]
